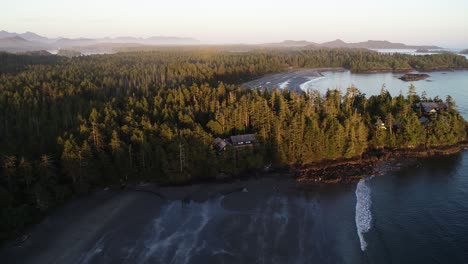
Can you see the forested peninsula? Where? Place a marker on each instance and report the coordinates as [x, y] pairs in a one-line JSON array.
[[69, 125]]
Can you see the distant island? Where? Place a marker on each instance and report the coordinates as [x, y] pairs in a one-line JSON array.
[[464, 51], [410, 77], [423, 51], [438, 51], [370, 44], [69, 53], [375, 44]]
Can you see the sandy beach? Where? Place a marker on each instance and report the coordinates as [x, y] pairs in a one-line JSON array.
[[295, 80], [120, 219]]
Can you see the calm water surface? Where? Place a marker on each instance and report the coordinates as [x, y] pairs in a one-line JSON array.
[[439, 84], [418, 214]]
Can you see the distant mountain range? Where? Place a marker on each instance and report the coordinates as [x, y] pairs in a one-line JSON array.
[[29, 36], [376, 44], [29, 41], [19, 44], [370, 44]]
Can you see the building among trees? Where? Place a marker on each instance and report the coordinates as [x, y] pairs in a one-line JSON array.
[[235, 141], [221, 144], [380, 124], [429, 108], [243, 140]]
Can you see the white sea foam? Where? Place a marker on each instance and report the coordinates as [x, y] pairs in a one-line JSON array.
[[284, 84], [176, 235], [363, 213], [307, 85]]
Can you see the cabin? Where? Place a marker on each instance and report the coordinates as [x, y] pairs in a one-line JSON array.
[[221, 144], [380, 124], [429, 108], [235, 141], [243, 140]]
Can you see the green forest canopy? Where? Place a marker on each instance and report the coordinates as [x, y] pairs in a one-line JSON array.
[[68, 125]]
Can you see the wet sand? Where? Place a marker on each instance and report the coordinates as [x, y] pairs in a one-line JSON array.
[[69, 234], [112, 226]]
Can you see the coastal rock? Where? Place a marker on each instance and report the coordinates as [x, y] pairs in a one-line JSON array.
[[410, 77]]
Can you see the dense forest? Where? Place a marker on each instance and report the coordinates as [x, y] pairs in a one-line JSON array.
[[68, 125]]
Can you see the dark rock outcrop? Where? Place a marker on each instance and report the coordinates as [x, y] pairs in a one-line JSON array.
[[410, 77]]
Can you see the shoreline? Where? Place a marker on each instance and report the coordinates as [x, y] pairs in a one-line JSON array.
[[372, 162], [282, 179], [341, 69], [293, 79], [408, 70]]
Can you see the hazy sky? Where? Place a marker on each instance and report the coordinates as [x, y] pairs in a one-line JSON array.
[[442, 22]]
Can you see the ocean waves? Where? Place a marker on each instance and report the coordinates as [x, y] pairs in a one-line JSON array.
[[363, 213], [307, 85]]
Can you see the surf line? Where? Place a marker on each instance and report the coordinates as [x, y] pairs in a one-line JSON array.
[[363, 213]]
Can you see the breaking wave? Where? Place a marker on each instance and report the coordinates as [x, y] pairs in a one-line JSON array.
[[307, 85], [285, 84], [363, 213]]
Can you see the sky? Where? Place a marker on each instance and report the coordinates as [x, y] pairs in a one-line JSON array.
[[442, 22]]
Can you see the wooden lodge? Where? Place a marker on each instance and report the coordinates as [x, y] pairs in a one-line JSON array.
[[429, 108], [236, 141], [243, 140]]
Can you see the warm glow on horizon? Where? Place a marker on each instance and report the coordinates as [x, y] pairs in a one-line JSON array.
[[441, 23]]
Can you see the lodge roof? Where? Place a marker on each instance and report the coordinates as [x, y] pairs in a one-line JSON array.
[[243, 138], [432, 106], [220, 143]]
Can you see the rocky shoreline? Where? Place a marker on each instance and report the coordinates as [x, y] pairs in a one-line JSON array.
[[373, 162]]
